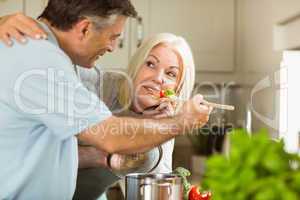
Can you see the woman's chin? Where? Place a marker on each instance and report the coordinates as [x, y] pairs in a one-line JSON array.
[[152, 100], [148, 102]]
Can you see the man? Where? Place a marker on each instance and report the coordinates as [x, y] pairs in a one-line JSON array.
[[44, 108]]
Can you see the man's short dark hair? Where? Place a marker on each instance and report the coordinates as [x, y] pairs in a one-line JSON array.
[[63, 14]]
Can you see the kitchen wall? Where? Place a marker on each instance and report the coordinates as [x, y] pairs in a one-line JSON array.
[[255, 58], [255, 55]]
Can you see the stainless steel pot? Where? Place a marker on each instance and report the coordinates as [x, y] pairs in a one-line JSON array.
[[153, 187]]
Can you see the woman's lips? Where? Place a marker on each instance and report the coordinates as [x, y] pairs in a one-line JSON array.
[[153, 90]]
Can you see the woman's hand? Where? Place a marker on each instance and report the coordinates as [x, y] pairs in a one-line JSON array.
[[193, 114], [17, 26], [165, 109]]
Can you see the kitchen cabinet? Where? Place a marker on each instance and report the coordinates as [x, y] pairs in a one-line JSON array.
[[286, 25], [207, 25], [120, 57], [284, 9], [135, 31], [31, 8], [9, 6], [34, 8], [286, 33]]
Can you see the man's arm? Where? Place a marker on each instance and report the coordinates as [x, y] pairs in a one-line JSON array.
[[90, 157], [129, 135]]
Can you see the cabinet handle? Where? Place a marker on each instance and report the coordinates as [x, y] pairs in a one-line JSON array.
[[140, 31], [122, 39]]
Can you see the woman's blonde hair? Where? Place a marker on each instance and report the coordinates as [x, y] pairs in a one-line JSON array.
[[181, 47]]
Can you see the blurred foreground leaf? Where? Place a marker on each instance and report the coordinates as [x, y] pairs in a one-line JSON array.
[[257, 168]]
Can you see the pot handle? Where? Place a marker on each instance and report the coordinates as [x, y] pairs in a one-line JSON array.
[[143, 192], [168, 189]]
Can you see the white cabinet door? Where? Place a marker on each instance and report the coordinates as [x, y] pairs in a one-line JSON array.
[[286, 17], [207, 25], [283, 10], [140, 26], [34, 8], [10, 6]]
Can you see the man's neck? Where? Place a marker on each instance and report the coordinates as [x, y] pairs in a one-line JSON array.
[[60, 37]]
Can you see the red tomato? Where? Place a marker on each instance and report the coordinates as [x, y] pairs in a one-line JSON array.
[[194, 194], [205, 196], [162, 94]]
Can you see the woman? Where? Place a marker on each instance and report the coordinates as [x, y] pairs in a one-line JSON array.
[[164, 61]]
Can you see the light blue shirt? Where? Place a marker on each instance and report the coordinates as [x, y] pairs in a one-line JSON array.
[[43, 106]]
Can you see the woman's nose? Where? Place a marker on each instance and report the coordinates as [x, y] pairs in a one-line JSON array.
[[159, 77]]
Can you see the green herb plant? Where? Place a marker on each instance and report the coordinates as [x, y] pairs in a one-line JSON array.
[[257, 168]]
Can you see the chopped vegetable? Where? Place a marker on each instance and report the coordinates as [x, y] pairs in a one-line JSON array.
[[194, 194], [183, 173], [191, 192], [162, 94], [166, 93]]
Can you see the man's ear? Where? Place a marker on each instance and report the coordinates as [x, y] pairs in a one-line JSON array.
[[82, 28]]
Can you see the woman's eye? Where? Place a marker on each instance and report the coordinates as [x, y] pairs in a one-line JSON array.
[[150, 64], [172, 74]]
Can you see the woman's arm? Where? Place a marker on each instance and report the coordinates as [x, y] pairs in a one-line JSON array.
[[17, 26]]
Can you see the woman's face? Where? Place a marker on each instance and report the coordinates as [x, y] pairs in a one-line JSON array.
[[160, 71]]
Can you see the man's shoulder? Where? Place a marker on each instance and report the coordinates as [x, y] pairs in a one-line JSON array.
[[34, 51]]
